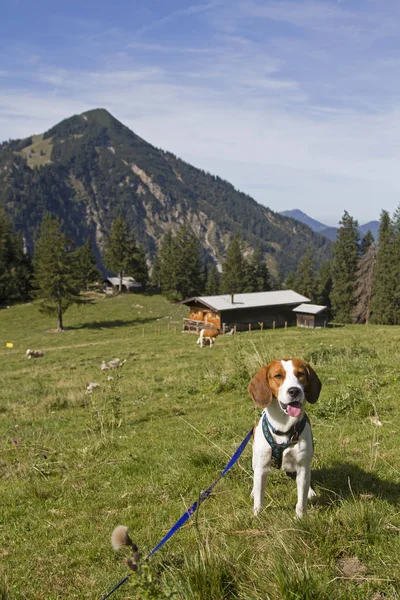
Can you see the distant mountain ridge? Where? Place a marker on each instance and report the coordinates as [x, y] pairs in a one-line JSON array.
[[325, 230], [90, 168]]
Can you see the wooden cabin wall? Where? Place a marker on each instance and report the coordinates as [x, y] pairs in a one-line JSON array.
[[207, 316], [306, 321], [265, 315], [196, 314]]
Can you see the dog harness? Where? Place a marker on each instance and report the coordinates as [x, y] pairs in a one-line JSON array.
[[277, 449]]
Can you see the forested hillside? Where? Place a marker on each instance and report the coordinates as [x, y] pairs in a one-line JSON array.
[[90, 168]]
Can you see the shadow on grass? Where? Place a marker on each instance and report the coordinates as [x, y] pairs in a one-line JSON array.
[[112, 324], [345, 480]]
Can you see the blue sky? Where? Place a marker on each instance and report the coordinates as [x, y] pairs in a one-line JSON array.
[[296, 102]]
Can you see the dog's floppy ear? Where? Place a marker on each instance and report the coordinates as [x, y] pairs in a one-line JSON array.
[[259, 389], [313, 387]]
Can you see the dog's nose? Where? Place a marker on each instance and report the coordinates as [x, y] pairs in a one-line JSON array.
[[294, 392]]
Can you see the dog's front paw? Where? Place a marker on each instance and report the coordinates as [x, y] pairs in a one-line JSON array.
[[311, 493], [300, 511], [257, 510]]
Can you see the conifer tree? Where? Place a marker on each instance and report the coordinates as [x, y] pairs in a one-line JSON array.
[[289, 282], [6, 256], [344, 268], [179, 264], [384, 294], [56, 286], [188, 261], [85, 265], [364, 285], [324, 285], [155, 274], [396, 262], [234, 269], [305, 282], [258, 277], [140, 269], [212, 284], [21, 270], [121, 255], [366, 242], [167, 265], [15, 264]]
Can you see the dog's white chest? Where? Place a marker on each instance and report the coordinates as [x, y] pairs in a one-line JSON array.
[[292, 457]]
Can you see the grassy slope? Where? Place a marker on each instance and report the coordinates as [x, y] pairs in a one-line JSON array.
[[72, 474]]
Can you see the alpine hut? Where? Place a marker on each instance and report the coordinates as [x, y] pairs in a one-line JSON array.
[[242, 311], [311, 315]]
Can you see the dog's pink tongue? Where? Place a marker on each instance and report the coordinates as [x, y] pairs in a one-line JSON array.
[[294, 409]]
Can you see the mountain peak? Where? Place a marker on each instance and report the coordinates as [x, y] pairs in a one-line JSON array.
[[303, 218], [98, 118], [90, 167], [329, 232]]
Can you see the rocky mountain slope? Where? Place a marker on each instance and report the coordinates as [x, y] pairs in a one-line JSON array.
[[90, 168]]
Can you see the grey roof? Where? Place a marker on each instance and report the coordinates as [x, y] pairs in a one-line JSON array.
[[128, 282], [310, 309], [254, 300]]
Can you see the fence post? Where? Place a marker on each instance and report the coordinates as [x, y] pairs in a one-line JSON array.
[[234, 328], [249, 327], [285, 324], [273, 324]]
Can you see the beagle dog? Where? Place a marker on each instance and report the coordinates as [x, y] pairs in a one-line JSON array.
[[282, 437], [207, 337]]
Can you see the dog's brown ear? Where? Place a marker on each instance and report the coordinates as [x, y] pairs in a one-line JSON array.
[[259, 389], [313, 387]]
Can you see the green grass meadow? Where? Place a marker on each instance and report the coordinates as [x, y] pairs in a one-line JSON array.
[[141, 447]]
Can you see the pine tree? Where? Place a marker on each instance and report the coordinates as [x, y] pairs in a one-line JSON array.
[[21, 271], [56, 286], [234, 269], [86, 269], [6, 256], [179, 265], [15, 264], [366, 242], [364, 285], [188, 261], [212, 285], [155, 274], [324, 285], [123, 256], [289, 282], [166, 259], [305, 282], [384, 294], [344, 268], [139, 267], [396, 262], [258, 277]]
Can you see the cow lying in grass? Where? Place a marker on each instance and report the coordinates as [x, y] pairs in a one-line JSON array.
[[207, 337]]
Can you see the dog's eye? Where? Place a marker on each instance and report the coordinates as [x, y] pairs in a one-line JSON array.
[[278, 376], [300, 374]]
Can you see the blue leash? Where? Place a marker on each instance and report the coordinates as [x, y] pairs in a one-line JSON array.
[[192, 509]]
